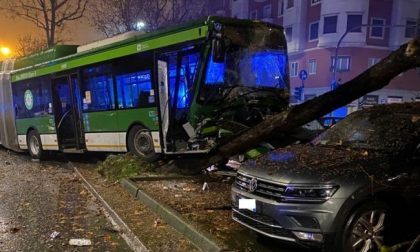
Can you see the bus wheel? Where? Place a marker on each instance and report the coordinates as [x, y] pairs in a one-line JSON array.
[[140, 143], [34, 145]]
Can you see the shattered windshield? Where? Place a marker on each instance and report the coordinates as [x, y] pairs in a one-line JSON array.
[[255, 58], [377, 131]]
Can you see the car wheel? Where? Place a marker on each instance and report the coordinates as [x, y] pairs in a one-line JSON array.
[[365, 229], [35, 145], [140, 143]]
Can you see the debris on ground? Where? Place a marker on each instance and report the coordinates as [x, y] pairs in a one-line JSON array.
[[205, 187], [54, 235], [80, 242], [115, 167], [112, 229]]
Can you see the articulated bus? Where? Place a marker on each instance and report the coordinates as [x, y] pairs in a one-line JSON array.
[[181, 90]]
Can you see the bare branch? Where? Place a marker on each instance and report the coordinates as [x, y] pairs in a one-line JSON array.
[[46, 14]]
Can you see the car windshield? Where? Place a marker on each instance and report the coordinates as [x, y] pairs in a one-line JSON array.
[[255, 58], [378, 131]]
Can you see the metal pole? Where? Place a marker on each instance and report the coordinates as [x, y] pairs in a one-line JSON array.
[[342, 37]]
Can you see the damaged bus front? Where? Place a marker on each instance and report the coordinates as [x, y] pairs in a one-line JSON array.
[[242, 78]]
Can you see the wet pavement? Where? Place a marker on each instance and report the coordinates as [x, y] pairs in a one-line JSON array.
[[38, 198]]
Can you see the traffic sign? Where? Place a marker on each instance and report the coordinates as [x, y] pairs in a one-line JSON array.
[[303, 75]]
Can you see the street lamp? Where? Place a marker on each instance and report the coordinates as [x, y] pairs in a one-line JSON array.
[[140, 25], [334, 81], [5, 51]]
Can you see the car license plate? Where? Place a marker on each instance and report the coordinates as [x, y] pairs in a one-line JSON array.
[[249, 204]]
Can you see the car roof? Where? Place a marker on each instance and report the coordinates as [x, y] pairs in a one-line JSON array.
[[404, 108]]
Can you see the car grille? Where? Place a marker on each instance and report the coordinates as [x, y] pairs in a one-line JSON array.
[[261, 223], [263, 188]]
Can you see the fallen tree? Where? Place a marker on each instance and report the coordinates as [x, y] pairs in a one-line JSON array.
[[405, 58]]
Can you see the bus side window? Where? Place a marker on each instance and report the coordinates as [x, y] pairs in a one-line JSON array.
[[134, 90], [31, 98], [134, 81], [98, 82]]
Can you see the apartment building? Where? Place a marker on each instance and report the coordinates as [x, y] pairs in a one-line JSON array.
[[368, 30]]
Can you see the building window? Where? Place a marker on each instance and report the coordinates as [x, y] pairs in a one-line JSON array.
[[289, 33], [411, 27], [290, 4], [267, 11], [354, 23], [312, 66], [313, 2], [343, 64], [330, 24], [281, 8], [313, 31], [294, 69], [373, 61], [394, 99], [378, 29], [253, 14]]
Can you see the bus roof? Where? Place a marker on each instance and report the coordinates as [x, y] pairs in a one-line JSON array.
[[66, 57]]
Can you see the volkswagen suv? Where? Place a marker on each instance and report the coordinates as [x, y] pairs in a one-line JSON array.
[[352, 188]]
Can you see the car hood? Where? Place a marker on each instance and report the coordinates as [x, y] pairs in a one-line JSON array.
[[315, 164]]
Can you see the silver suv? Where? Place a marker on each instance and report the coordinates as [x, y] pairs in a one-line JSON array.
[[356, 187]]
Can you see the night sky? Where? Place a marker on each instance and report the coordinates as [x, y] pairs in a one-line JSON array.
[[77, 32]]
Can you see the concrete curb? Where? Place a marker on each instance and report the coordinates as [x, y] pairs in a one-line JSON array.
[[199, 239], [130, 238]]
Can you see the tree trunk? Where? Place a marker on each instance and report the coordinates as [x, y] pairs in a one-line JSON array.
[[374, 78]]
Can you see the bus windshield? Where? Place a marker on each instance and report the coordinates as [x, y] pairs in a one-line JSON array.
[[255, 59]]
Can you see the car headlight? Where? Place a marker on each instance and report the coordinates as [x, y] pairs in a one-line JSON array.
[[309, 193]]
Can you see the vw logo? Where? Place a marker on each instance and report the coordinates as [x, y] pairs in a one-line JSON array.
[[253, 184]]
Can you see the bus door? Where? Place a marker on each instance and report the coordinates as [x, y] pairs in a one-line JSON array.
[[67, 113], [176, 79]]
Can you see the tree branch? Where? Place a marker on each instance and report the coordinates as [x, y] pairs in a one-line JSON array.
[[374, 78]]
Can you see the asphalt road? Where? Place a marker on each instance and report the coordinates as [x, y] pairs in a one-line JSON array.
[[38, 198]]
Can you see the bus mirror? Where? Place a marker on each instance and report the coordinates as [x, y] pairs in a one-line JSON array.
[[218, 50]]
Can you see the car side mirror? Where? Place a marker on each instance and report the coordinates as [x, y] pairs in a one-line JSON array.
[[218, 50]]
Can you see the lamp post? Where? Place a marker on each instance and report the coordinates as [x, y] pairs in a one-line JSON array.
[[140, 25], [5, 52], [334, 81]]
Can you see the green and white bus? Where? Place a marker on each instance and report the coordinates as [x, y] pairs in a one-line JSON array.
[[182, 90]]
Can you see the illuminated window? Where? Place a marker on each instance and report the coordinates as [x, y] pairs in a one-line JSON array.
[[394, 99], [290, 4], [281, 8], [261, 68], [343, 64], [411, 28], [312, 66], [267, 11], [40, 90], [373, 61], [377, 28], [330, 24], [354, 23], [313, 31], [134, 89], [98, 81], [294, 66]]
